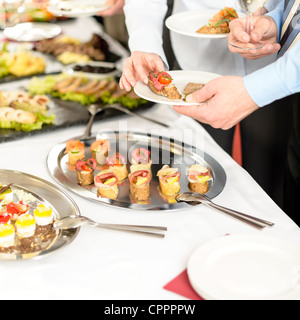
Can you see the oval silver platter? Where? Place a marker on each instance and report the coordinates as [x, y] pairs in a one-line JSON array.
[[48, 194], [163, 151]]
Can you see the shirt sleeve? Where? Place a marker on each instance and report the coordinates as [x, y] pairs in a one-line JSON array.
[[276, 81], [270, 5], [145, 21], [277, 15]]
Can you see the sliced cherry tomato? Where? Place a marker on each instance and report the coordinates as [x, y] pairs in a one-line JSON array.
[[86, 167], [164, 80]]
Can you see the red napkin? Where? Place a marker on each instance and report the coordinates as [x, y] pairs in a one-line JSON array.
[[181, 285]]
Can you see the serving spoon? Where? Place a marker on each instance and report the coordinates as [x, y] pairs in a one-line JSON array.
[[72, 222], [195, 199]]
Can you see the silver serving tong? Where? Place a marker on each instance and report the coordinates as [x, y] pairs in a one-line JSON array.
[[195, 199]]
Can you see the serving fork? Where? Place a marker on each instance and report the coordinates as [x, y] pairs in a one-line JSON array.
[[195, 199]]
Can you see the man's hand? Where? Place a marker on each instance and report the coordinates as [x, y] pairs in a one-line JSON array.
[[228, 103], [115, 7], [264, 31], [138, 67]]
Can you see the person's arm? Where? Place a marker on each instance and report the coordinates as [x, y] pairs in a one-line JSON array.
[[276, 81], [145, 20], [277, 15], [271, 5], [115, 8]]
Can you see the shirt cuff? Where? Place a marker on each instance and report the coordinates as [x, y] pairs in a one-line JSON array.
[[266, 86]]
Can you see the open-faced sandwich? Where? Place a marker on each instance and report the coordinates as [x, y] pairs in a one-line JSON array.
[[100, 149], [219, 24], [117, 164], [169, 180], [107, 183], [141, 156], [139, 182], [160, 82], [75, 150], [198, 178], [85, 171]]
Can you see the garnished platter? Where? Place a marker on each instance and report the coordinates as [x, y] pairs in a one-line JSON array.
[[127, 193], [32, 193], [63, 113]]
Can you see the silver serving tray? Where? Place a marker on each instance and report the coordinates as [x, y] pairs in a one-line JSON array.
[[48, 194], [163, 151]]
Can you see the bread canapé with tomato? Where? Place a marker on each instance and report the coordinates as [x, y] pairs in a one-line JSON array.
[[160, 82]]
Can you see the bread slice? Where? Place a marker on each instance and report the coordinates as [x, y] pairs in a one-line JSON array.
[[192, 87], [170, 91]]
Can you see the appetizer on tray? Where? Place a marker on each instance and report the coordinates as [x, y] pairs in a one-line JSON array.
[[139, 182], [219, 24], [100, 149], [20, 63], [85, 170], [107, 183], [84, 90], [25, 228], [21, 111], [161, 83], [169, 180], [75, 150], [141, 157], [117, 164], [69, 50], [198, 178]]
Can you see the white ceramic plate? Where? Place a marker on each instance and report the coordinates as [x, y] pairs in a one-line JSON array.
[[187, 23], [180, 80], [246, 267], [77, 8], [32, 31]]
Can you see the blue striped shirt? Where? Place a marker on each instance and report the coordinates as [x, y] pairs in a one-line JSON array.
[[281, 78]]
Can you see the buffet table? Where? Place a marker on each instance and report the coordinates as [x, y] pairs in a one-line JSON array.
[[105, 264]]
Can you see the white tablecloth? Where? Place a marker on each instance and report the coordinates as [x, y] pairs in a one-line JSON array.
[[103, 264]]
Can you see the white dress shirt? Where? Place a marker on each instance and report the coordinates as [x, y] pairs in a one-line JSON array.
[[145, 18]]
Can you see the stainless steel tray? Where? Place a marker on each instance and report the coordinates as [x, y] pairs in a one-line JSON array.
[[163, 151], [48, 194]]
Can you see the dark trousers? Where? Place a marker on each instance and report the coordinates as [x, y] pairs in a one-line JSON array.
[[265, 135]]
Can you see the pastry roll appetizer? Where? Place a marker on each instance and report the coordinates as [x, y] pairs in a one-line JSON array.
[[117, 164], [75, 151], [141, 156], [100, 149], [139, 182], [107, 183], [198, 178], [169, 180], [85, 171]]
